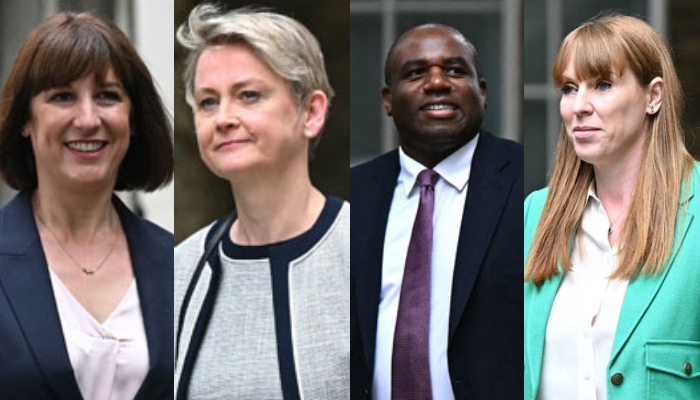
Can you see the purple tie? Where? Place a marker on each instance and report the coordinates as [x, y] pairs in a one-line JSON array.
[[410, 378]]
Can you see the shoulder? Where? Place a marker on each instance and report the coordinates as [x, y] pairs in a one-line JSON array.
[[386, 163], [160, 237], [534, 205], [337, 235], [504, 154], [505, 145], [187, 253], [142, 232]]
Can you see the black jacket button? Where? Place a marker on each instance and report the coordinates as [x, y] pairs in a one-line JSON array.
[[688, 368], [617, 379]]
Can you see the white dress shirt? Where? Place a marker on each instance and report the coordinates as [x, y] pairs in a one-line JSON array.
[[110, 360], [450, 195], [582, 323]]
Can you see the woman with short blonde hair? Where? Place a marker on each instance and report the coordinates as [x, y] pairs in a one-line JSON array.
[[262, 297]]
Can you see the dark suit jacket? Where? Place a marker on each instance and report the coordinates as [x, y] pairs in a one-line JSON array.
[[485, 353], [34, 361]]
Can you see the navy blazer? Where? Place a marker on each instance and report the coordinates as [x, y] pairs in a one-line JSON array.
[[34, 362], [485, 354]]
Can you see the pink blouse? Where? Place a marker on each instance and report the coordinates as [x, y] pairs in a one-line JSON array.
[[110, 360]]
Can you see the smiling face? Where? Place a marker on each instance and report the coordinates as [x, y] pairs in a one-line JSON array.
[[80, 133], [245, 115], [605, 119], [434, 95]]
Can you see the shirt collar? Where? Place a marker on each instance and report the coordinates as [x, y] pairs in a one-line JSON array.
[[455, 169]]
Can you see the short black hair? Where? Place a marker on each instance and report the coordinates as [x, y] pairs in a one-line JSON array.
[[390, 54]]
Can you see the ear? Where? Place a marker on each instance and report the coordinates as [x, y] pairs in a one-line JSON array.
[[315, 115], [484, 92], [26, 132], [386, 100], [655, 93]]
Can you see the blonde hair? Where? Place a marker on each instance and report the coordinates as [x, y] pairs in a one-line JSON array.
[[598, 48], [283, 43]]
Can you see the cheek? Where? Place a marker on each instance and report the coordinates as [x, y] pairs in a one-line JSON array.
[[203, 129], [564, 109]]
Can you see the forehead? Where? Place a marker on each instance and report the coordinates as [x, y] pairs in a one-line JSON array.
[[230, 61], [431, 44]]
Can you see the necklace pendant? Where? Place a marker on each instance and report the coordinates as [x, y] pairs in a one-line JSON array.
[[88, 271], [610, 230]]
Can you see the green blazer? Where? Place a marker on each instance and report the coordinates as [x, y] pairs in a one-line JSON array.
[[656, 350]]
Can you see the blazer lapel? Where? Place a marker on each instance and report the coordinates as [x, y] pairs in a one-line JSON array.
[[642, 290], [25, 280], [155, 294], [487, 195], [373, 198]]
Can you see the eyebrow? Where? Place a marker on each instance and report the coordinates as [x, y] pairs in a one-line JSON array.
[[117, 85], [423, 62], [566, 78], [236, 86]]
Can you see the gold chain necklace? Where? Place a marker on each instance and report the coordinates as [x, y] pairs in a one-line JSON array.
[[86, 271], [623, 212]]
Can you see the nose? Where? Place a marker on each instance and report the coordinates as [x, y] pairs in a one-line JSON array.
[[226, 117], [582, 104], [87, 115], [436, 80]]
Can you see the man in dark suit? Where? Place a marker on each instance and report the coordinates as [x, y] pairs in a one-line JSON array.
[[472, 346]]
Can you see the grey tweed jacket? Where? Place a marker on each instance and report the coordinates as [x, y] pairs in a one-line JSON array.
[[240, 355]]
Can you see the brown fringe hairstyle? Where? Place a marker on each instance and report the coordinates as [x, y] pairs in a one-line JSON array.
[[66, 47], [604, 45]]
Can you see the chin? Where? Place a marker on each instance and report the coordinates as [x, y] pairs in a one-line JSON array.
[[589, 157]]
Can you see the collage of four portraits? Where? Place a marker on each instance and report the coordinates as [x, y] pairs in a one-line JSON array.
[[461, 134]]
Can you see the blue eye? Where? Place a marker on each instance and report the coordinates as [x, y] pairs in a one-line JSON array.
[[603, 85], [206, 103], [250, 96]]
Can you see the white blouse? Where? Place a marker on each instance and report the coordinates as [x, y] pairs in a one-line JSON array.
[[110, 360], [582, 322]]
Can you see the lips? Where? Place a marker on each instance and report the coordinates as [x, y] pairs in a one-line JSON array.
[[230, 144], [584, 132], [585, 128], [441, 106], [86, 146], [439, 110]]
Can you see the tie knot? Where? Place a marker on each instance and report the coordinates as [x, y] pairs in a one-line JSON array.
[[427, 177]]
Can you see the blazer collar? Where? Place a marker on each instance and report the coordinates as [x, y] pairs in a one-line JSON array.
[[487, 195], [24, 278], [536, 318], [373, 197], [152, 260], [642, 289]]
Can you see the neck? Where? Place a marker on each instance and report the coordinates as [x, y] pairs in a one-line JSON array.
[[75, 214], [273, 207], [615, 184]]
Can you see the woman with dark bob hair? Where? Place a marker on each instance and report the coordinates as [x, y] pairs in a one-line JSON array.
[[86, 286]]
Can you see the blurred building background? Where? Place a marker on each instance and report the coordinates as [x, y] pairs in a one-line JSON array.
[[200, 197], [153, 37], [493, 26], [546, 24]]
